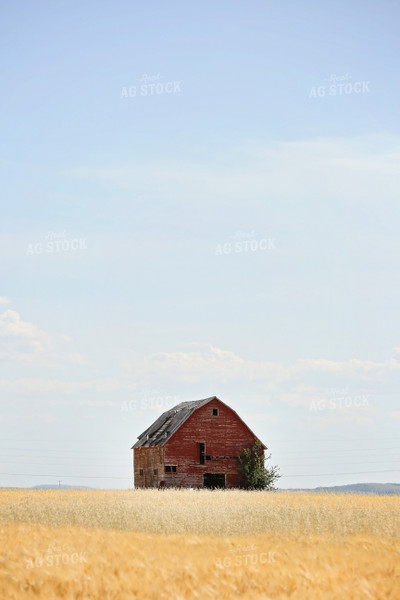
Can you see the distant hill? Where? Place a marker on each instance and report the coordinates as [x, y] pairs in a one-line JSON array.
[[364, 488], [63, 487], [383, 489]]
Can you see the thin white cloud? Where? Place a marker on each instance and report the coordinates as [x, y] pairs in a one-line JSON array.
[[205, 363], [302, 396], [330, 419], [23, 342], [41, 418], [4, 300], [79, 359], [98, 403], [349, 368], [317, 398], [394, 414], [20, 340], [259, 417], [41, 386], [208, 362], [34, 417], [315, 166]]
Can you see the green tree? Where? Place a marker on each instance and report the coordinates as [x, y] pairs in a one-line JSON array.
[[254, 474]]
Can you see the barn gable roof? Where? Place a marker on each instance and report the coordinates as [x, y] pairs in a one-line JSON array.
[[165, 426], [162, 429]]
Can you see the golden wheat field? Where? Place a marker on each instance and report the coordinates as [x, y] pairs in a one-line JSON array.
[[179, 544]]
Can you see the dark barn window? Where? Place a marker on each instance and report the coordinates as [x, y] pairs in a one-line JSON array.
[[215, 412], [170, 468], [155, 471], [202, 448], [140, 471]]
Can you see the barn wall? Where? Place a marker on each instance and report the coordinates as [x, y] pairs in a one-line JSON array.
[[224, 435], [148, 459]]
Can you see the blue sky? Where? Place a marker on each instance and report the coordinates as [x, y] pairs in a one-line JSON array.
[[197, 201]]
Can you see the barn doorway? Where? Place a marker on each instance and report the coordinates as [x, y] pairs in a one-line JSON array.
[[214, 480]]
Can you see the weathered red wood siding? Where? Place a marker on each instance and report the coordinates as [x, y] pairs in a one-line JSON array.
[[148, 458], [223, 435]]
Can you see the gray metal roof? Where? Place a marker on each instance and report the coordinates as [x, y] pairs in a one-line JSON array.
[[163, 428]]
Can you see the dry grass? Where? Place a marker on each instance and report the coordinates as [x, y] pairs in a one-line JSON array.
[[182, 544]]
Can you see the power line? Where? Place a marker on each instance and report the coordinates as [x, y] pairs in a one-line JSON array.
[[100, 463], [86, 458], [130, 478], [348, 473], [57, 440], [69, 476], [334, 464], [366, 450], [80, 452], [328, 439], [51, 450], [325, 439], [23, 463], [301, 460]]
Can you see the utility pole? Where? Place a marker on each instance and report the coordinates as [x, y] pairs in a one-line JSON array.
[[59, 483]]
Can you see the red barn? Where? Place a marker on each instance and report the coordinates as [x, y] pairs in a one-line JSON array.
[[194, 444]]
